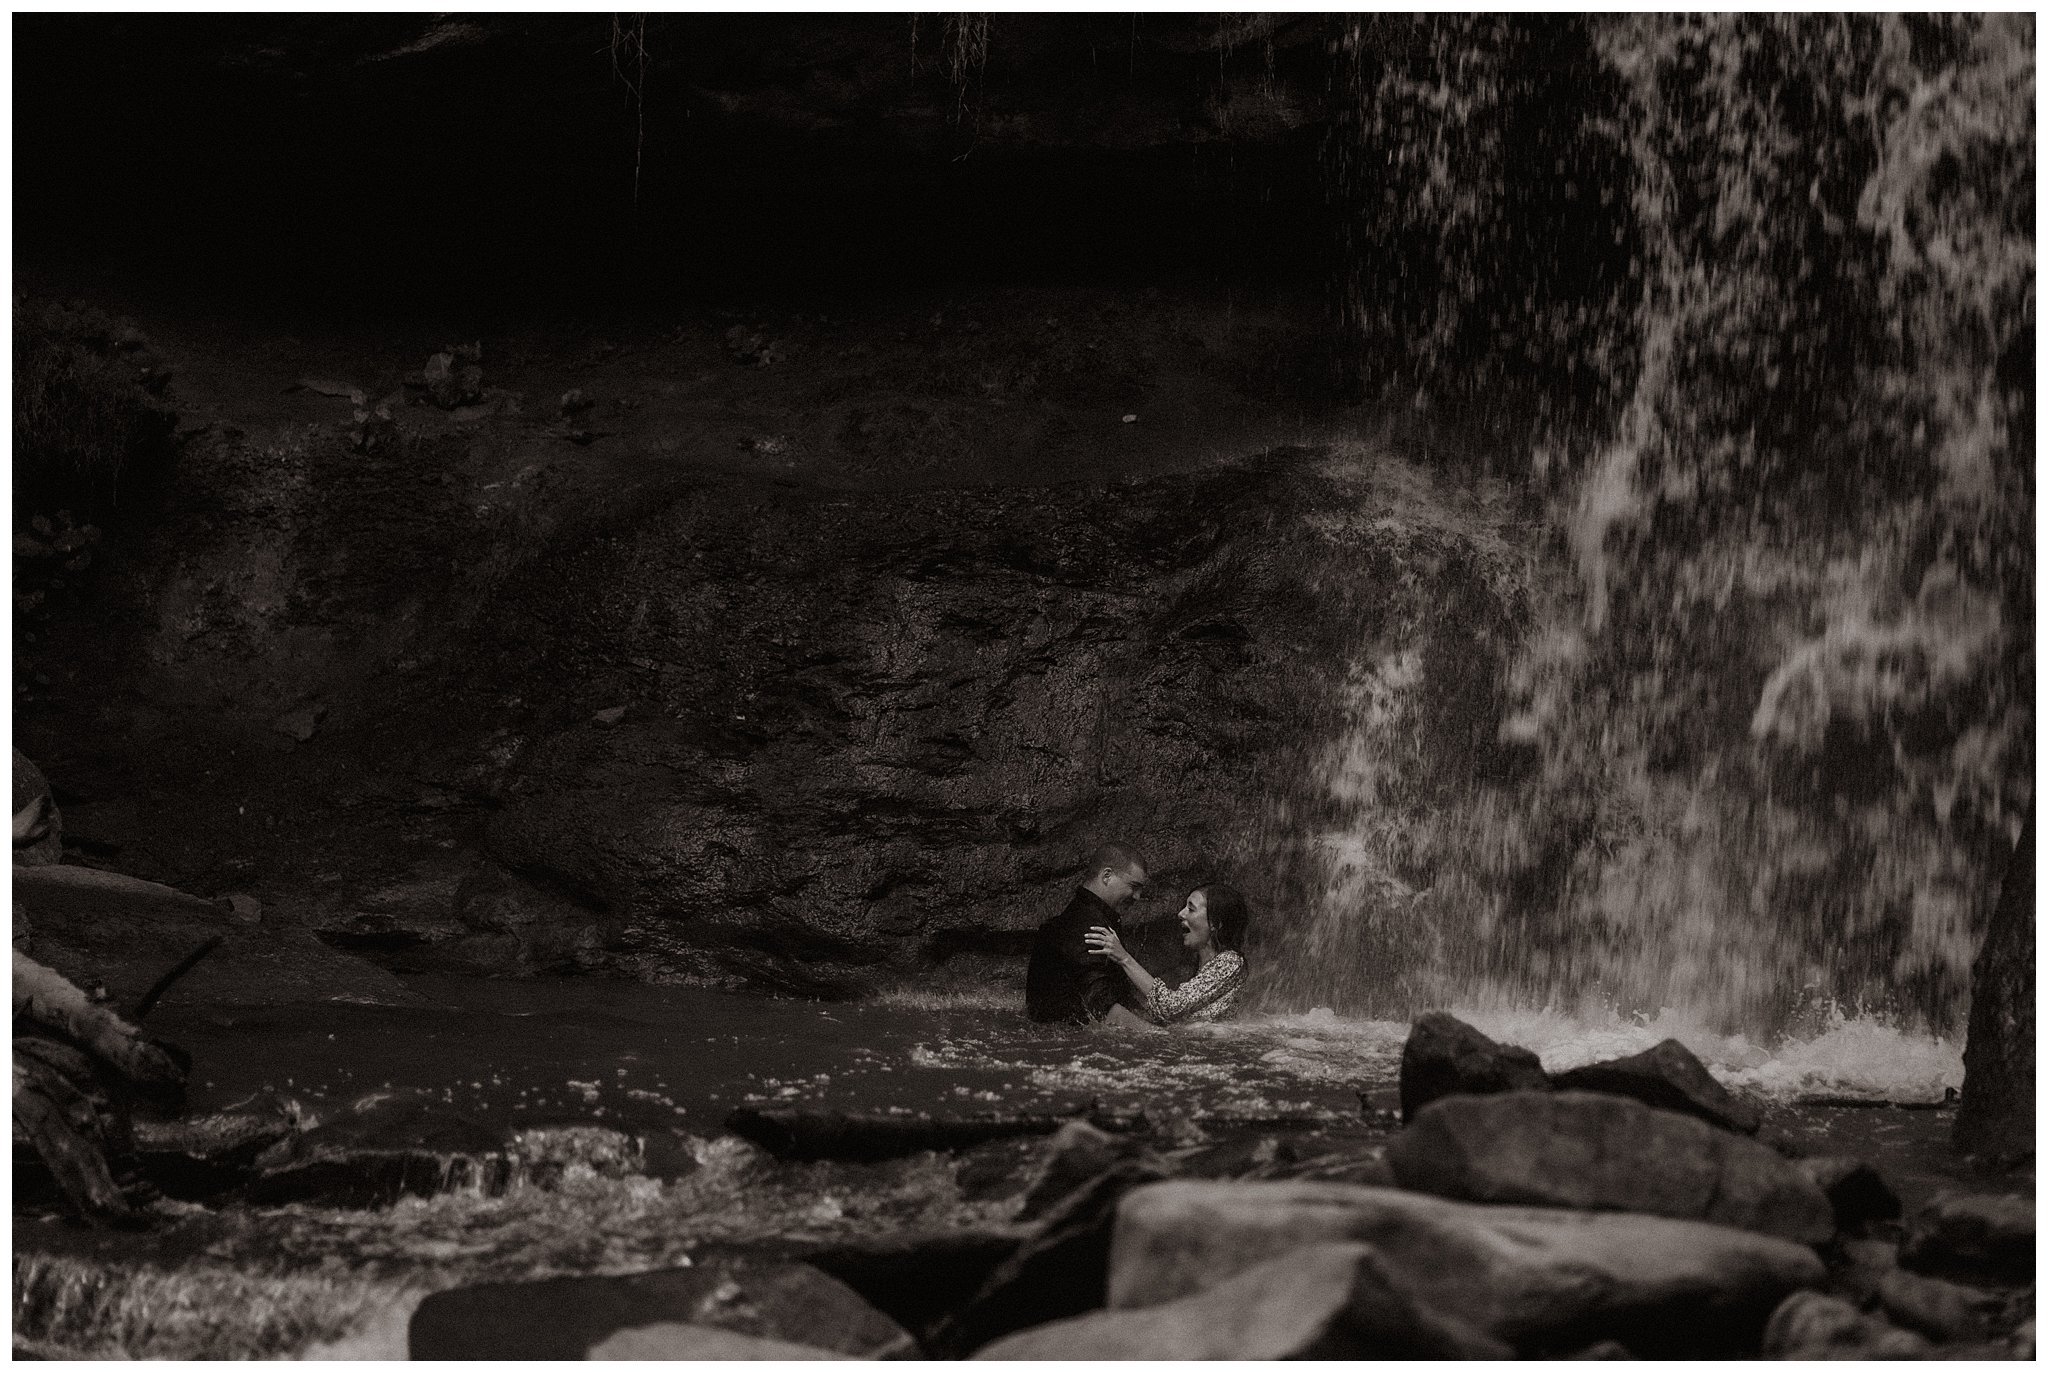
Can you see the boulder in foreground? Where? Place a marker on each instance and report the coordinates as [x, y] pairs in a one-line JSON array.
[[1670, 1077], [1060, 1270], [1330, 1301], [674, 1340], [1444, 1057], [1606, 1153], [1544, 1281], [568, 1318]]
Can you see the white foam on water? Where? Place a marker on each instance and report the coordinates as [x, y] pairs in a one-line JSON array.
[[1862, 1055], [1851, 1055], [1855, 1055]]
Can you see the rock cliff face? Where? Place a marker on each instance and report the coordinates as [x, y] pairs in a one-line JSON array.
[[807, 731]]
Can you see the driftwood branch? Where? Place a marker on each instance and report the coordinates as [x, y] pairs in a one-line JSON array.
[[60, 1123], [44, 997], [76, 1066]]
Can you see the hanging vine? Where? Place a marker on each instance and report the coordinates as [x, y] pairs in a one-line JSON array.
[[963, 48], [629, 67]]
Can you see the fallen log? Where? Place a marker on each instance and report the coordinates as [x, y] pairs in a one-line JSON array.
[[77, 1066], [46, 998], [198, 1158], [60, 1122]]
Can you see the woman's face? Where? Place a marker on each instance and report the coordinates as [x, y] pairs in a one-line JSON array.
[[1194, 919]]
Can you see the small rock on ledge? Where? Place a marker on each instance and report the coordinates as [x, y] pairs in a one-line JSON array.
[[1670, 1077]]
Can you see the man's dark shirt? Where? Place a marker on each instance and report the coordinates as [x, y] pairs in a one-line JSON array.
[[1065, 981]]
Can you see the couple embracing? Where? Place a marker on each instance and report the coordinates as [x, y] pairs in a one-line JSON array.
[[1080, 971]]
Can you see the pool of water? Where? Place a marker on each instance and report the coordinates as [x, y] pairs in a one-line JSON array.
[[682, 1058]]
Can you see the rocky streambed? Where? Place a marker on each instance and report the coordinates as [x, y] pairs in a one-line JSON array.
[[536, 1169]]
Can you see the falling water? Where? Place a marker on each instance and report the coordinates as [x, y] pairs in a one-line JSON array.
[[1758, 292]]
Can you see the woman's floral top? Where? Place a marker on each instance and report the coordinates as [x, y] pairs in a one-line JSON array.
[[1205, 996]]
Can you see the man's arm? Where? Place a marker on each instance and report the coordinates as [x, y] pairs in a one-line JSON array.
[[1095, 979]]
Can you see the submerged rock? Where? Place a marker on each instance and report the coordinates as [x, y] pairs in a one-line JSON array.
[[570, 1318], [1988, 1235], [1606, 1153], [1813, 1325], [1670, 1077], [1330, 1301], [373, 1157], [384, 1149], [1545, 1281], [1444, 1057]]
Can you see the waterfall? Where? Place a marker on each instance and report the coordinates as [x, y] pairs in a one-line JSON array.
[[1745, 302]]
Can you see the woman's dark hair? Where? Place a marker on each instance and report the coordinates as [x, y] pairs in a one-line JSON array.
[[1229, 914]]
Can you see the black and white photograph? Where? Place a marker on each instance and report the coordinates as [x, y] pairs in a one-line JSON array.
[[829, 684]]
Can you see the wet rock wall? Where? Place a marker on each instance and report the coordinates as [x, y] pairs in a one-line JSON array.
[[816, 732]]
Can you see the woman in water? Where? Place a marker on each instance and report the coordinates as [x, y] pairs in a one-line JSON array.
[[1214, 921]]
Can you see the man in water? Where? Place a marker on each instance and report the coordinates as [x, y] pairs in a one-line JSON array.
[[1065, 981]]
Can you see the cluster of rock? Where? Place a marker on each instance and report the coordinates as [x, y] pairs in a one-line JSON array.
[[1623, 1210]]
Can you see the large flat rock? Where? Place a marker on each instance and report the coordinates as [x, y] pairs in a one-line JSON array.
[[1606, 1153], [124, 933], [1332, 1301], [568, 1318], [1543, 1280]]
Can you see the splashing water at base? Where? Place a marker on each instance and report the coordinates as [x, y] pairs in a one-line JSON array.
[[1847, 1056], [1766, 708]]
